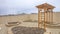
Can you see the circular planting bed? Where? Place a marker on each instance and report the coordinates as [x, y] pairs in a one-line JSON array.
[[27, 30]]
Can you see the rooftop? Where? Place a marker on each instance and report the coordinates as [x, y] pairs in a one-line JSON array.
[[45, 5]]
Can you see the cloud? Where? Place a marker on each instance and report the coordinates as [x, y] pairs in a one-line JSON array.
[[27, 6]]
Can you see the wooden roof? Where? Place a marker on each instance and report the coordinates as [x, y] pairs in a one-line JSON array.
[[45, 5]]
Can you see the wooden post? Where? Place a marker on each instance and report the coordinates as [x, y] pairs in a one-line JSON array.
[[39, 18], [52, 15], [45, 9]]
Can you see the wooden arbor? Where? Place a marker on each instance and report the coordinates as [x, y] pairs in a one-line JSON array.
[[45, 15]]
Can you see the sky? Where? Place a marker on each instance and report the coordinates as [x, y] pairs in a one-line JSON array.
[[24, 6]]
